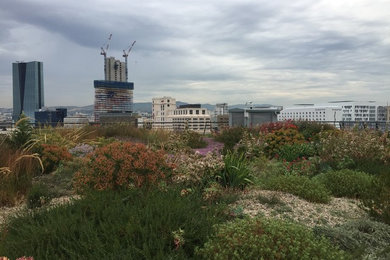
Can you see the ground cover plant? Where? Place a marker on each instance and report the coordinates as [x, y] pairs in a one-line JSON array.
[[130, 224]]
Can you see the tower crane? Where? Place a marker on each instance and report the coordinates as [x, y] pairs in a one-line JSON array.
[[126, 54], [103, 51]]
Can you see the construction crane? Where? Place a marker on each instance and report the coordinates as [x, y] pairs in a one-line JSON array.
[[103, 51], [126, 54]]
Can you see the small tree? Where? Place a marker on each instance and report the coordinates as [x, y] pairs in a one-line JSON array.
[[23, 132]]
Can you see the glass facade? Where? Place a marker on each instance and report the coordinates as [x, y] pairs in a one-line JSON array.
[[27, 89]]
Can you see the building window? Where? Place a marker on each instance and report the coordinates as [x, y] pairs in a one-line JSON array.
[[203, 112], [190, 111], [197, 112]]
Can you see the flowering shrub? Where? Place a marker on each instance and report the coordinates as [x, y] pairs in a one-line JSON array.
[[278, 138], [52, 155], [275, 126], [353, 148], [120, 165], [81, 150], [196, 168]]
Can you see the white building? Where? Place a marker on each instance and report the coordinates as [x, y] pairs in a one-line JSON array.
[[311, 112], [358, 110], [162, 108], [192, 117]]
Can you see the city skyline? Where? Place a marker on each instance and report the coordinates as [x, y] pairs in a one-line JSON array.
[[278, 52]]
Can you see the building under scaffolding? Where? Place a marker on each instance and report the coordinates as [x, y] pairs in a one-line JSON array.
[[113, 97]]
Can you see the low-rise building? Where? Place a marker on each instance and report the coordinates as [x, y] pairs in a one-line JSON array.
[[253, 115], [192, 117]]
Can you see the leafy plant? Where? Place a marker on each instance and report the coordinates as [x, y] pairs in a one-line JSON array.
[[278, 138], [292, 152], [22, 135], [261, 238], [276, 126], [38, 196], [229, 137], [347, 183], [236, 172]]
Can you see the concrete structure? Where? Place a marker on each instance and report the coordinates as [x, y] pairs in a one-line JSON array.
[[75, 121], [28, 95], [192, 117], [311, 112], [220, 116], [253, 115], [112, 97], [50, 117], [162, 108], [115, 70]]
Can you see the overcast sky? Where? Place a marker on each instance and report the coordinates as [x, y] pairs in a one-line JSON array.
[[280, 52]]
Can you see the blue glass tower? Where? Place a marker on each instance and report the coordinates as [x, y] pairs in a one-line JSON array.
[[27, 88]]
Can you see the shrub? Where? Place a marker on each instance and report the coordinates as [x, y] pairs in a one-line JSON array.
[[52, 155], [193, 139], [276, 139], [311, 129], [354, 148], [230, 137], [251, 145], [81, 150], [22, 135], [132, 224], [236, 172], [291, 152], [121, 165], [377, 200], [347, 183], [195, 169], [301, 186], [261, 238], [38, 196], [276, 126], [300, 166], [362, 238]]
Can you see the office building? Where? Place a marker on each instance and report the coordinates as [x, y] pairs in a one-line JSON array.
[[162, 109], [192, 117], [28, 95], [50, 117], [115, 70], [311, 112]]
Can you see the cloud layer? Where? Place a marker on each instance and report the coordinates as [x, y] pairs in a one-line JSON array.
[[279, 52]]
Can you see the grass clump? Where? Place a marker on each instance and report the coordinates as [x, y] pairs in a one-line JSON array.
[[38, 196], [132, 224], [362, 238], [347, 183], [261, 238], [301, 186]]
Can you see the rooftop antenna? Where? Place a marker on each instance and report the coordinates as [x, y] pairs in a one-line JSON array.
[[126, 54], [103, 51]]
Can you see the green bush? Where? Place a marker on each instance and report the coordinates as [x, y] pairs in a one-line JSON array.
[[362, 238], [267, 239], [377, 201], [132, 224], [291, 152], [38, 196], [310, 129], [275, 140], [230, 137], [193, 139], [236, 172], [347, 183], [301, 186]]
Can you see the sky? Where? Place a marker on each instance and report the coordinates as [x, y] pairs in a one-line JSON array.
[[278, 52]]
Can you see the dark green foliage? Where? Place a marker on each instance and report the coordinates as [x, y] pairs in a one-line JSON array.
[[230, 137], [291, 152], [347, 183], [301, 186], [23, 132], [310, 129], [133, 224], [261, 238], [38, 196], [193, 139], [360, 238], [236, 172], [378, 199]]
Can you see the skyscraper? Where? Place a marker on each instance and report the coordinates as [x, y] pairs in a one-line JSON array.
[[27, 88]]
